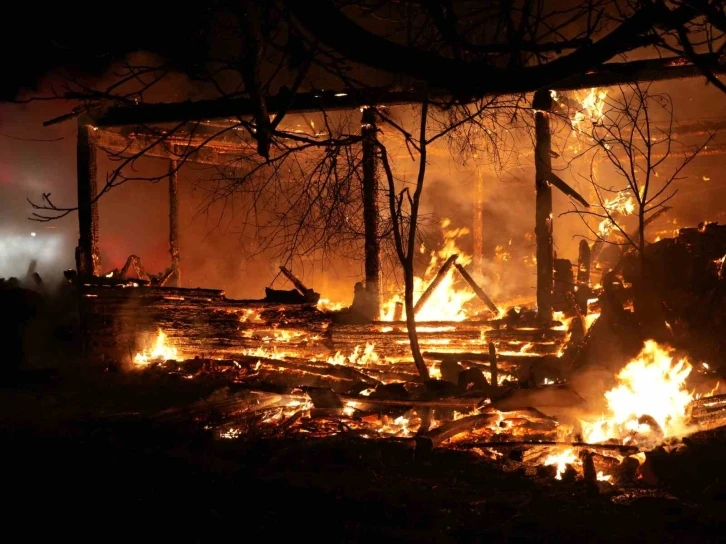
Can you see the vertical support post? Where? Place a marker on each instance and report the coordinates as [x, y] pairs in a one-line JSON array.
[[478, 227], [174, 220], [583, 264], [371, 212], [542, 105], [88, 261]]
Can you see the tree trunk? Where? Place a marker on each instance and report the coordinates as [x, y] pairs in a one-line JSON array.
[[371, 213], [543, 217], [411, 321]]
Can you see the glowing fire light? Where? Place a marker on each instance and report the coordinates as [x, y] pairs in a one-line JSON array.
[[623, 204], [160, 352], [447, 301], [326, 305], [364, 357], [651, 385], [561, 460]]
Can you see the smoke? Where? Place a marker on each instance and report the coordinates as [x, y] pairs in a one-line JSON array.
[[18, 249]]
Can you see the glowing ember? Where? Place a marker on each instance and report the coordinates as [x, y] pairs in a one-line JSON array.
[[250, 315], [326, 305], [159, 353], [561, 460], [603, 477], [650, 398], [447, 301]]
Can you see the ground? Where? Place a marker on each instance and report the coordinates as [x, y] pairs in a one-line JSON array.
[[82, 459]]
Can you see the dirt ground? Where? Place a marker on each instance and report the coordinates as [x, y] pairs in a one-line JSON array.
[[83, 460]]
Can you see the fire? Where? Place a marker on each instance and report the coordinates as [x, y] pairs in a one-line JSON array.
[[623, 204], [250, 315], [364, 357], [591, 109], [447, 301], [326, 305], [561, 460], [651, 392], [160, 352]]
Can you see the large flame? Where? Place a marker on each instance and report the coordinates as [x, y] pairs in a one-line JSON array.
[[650, 399], [159, 352], [447, 301], [623, 204]]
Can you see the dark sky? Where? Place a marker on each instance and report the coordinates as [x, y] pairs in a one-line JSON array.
[[86, 36]]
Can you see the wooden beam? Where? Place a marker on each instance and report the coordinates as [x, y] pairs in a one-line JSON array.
[[174, 220], [615, 73], [558, 182], [88, 262], [113, 142]]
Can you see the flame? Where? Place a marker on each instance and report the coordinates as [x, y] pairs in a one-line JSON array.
[[326, 305], [447, 301], [561, 459], [652, 385], [160, 352], [591, 109], [250, 315], [603, 477], [364, 357], [622, 203]]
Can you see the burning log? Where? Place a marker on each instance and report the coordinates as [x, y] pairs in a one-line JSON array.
[[309, 294], [478, 290], [435, 437], [434, 283]]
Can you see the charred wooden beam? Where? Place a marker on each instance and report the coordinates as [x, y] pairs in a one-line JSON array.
[[614, 73], [309, 294], [88, 261], [563, 186], [478, 290], [161, 148], [434, 283], [542, 104], [583, 264], [371, 213], [174, 220]]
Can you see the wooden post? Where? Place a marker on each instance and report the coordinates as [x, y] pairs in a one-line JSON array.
[[478, 226], [174, 220], [583, 264], [371, 212], [88, 262], [542, 104]]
